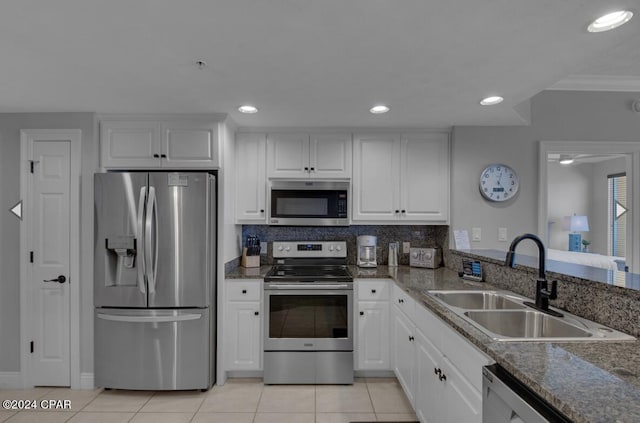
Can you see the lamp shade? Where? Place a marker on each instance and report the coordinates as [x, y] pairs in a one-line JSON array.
[[575, 223]]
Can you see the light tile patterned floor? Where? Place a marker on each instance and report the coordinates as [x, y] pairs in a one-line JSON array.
[[238, 401]]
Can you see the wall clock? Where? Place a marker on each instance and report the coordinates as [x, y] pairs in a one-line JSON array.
[[498, 182]]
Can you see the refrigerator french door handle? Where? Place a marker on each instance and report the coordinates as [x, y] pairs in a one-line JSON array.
[[148, 319], [151, 254], [140, 243]]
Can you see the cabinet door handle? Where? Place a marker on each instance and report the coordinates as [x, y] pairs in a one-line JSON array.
[[156, 156], [261, 210], [400, 301], [306, 169], [313, 169], [244, 291], [442, 377], [256, 313], [411, 338], [164, 156], [403, 211], [362, 313], [373, 291], [397, 211]]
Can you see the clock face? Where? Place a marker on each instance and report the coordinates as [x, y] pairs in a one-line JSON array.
[[498, 182]]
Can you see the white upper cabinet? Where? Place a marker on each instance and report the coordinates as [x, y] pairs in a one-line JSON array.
[[251, 186], [128, 144], [401, 178], [180, 143], [296, 155], [189, 144]]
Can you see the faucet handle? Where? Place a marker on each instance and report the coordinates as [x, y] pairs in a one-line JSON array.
[[554, 290]]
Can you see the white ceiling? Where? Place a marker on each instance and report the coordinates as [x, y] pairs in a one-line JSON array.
[[306, 62]]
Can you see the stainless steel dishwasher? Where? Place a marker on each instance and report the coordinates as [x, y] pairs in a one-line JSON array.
[[507, 400]]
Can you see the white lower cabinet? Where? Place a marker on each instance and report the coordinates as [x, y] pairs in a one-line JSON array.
[[243, 325], [372, 324], [440, 372]]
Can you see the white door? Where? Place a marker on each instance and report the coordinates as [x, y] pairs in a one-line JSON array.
[[49, 239], [424, 180], [330, 156], [251, 183], [373, 335], [288, 155], [375, 177], [243, 340], [190, 144]]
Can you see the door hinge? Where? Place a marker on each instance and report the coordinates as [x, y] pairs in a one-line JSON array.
[[30, 256], [31, 346]]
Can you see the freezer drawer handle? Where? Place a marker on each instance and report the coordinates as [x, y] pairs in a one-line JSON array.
[[149, 319]]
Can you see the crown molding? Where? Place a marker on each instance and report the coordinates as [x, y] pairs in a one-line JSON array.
[[597, 83]]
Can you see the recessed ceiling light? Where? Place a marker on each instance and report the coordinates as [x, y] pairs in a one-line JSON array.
[[610, 21], [490, 101], [565, 159], [380, 108], [248, 109]]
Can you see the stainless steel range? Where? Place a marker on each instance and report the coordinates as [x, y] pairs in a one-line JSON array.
[[308, 329]]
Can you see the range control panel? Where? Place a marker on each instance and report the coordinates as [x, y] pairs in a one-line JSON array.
[[309, 249]]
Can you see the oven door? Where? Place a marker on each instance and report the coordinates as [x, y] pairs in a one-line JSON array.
[[308, 317]]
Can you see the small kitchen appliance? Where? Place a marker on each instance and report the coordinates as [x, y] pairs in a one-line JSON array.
[[431, 258], [367, 251], [308, 319]]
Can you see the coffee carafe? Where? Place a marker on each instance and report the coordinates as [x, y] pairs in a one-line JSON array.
[[367, 251]]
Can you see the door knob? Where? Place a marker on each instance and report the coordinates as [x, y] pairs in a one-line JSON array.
[[59, 279]]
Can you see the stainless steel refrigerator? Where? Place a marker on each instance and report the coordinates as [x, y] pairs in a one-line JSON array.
[[155, 280]]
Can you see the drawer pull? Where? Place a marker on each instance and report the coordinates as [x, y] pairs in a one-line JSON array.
[[442, 377], [373, 291], [256, 313], [244, 291], [362, 313], [400, 300]]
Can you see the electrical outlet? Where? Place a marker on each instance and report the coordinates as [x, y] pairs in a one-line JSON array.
[[406, 247], [476, 234], [502, 234], [263, 248]]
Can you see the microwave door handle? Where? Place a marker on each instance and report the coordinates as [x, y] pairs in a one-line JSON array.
[[140, 243], [151, 242]]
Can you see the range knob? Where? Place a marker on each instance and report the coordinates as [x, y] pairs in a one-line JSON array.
[[280, 248], [287, 248], [415, 254], [330, 247], [338, 248]]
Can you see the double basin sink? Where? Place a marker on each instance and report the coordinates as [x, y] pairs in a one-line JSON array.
[[504, 317]]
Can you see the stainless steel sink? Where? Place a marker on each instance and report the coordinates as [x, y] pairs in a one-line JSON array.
[[478, 300], [503, 316], [525, 324]]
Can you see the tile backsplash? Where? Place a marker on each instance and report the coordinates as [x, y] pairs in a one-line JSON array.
[[417, 235]]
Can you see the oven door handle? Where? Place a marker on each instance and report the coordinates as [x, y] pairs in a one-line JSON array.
[[306, 286]]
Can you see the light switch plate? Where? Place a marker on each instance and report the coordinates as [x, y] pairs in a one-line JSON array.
[[406, 247], [502, 234], [476, 234]]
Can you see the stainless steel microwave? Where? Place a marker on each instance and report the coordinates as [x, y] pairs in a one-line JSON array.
[[309, 203]]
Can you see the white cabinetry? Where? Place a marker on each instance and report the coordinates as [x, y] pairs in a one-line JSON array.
[[243, 324], [294, 155], [174, 143], [251, 183], [372, 324], [401, 178]]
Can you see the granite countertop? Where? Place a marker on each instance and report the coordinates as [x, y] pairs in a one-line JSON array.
[[248, 272], [590, 382]]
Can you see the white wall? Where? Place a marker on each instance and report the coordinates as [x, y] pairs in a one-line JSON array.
[[569, 192], [555, 116]]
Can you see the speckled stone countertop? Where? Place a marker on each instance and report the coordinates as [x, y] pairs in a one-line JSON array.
[[590, 382], [248, 272]]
